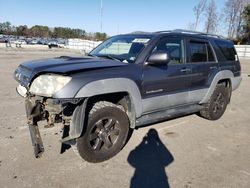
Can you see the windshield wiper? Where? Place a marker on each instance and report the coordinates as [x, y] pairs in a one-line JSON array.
[[91, 55], [109, 57]]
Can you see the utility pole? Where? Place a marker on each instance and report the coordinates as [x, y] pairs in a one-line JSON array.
[[101, 14]]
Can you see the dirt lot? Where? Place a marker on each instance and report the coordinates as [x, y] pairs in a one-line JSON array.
[[192, 152]]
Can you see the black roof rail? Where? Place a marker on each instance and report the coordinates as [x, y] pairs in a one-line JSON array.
[[139, 32], [190, 32]]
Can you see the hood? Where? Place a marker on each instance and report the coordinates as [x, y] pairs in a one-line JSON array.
[[65, 64], [61, 65]]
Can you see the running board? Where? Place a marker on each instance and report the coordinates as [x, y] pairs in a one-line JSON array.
[[167, 114]]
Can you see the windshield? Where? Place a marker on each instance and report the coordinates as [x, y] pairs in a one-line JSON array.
[[122, 48]]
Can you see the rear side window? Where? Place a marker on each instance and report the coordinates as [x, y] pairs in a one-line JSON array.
[[227, 49], [200, 52]]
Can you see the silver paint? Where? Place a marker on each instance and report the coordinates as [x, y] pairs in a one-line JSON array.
[[112, 85], [225, 74], [167, 101]]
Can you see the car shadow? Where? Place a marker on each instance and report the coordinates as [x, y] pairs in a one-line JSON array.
[[150, 158]]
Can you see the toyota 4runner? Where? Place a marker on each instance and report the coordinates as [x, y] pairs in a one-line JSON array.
[[128, 81]]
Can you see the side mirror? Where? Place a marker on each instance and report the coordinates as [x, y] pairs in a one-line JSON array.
[[158, 58]]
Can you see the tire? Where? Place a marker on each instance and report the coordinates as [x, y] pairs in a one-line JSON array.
[[106, 133], [216, 105]]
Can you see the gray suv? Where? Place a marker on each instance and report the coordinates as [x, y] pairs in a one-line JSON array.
[[126, 82]]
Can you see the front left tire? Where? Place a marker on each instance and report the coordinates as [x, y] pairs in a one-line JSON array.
[[106, 132]]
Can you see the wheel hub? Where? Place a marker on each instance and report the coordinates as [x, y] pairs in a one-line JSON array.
[[218, 103], [104, 134]]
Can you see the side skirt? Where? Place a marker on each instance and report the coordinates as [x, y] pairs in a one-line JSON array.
[[167, 114]]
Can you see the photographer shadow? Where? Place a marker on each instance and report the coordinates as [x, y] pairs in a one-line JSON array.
[[150, 158]]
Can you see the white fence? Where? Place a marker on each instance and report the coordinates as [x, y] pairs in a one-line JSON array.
[[243, 51], [83, 45]]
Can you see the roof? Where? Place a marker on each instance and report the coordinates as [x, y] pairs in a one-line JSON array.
[[178, 31]]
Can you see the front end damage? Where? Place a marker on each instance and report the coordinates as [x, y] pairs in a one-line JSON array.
[[65, 111], [41, 104]]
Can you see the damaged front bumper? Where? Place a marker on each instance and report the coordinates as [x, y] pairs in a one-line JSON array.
[[69, 112]]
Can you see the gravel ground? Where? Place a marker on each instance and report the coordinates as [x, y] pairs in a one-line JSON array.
[[190, 151]]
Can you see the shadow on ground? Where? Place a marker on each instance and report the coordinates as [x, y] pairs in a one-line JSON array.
[[150, 158]]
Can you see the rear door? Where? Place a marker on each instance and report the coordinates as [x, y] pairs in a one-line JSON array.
[[202, 59]]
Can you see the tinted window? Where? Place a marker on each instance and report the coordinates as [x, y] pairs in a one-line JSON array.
[[200, 52], [174, 47], [227, 49]]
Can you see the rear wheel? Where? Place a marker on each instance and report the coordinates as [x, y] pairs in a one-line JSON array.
[[217, 103], [106, 132]]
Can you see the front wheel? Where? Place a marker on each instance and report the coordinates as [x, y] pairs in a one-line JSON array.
[[106, 132], [217, 103]]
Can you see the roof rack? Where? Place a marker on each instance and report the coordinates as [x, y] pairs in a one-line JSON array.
[[190, 32], [140, 32]]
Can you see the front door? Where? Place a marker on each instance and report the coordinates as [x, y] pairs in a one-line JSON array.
[[165, 86]]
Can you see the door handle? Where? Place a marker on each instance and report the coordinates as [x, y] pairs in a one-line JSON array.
[[186, 70], [214, 67]]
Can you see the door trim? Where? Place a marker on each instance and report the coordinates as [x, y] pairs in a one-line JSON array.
[[158, 103]]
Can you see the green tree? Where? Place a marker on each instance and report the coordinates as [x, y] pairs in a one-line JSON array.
[[22, 30], [100, 36], [5, 28], [45, 32], [65, 32], [39, 31]]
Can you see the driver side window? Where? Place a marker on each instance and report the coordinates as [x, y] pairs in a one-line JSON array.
[[174, 47]]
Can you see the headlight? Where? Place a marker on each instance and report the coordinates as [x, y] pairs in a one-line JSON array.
[[47, 85]]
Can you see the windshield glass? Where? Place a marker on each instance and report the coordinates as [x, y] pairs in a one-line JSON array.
[[123, 48]]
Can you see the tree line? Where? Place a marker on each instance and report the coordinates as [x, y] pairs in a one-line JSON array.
[[233, 20], [6, 28]]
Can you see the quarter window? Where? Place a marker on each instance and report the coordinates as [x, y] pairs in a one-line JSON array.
[[200, 52], [227, 49]]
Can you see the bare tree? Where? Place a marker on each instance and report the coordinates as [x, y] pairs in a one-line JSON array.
[[191, 26], [198, 11], [240, 17], [211, 16], [233, 16]]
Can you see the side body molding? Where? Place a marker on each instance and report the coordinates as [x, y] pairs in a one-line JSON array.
[[112, 85], [224, 74]]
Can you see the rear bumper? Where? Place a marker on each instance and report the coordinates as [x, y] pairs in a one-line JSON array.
[[236, 82]]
